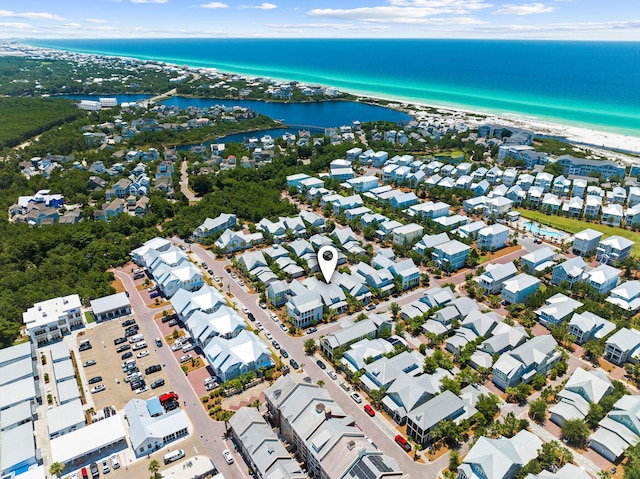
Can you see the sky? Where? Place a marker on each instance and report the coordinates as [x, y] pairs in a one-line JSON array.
[[498, 19]]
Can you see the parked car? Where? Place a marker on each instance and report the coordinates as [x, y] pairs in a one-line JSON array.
[[369, 410], [294, 363], [157, 383], [105, 467], [370, 307], [275, 344], [85, 475], [210, 271], [240, 283], [185, 358], [128, 322], [262, 304], [94, 470], [273, 316], [321, 364], [173, 322], [356, 397], [176, 346], [171, 405], [345, 386], [95, 379], [159, 342], [127, 355], [124, 347], [312, 330], [142, 354], [332, 374], [98, 388], [188, 347], [119, 340], [251, 317], [284, 353], [84, 345], [245, 310], [115, 462], [212, 386], [91, 362], [268, 335], [227, 456], [155, 294], [153, 369], [403, 443], [141, 389], [259, 326]]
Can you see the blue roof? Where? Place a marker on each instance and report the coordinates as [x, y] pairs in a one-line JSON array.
[[154, 407]]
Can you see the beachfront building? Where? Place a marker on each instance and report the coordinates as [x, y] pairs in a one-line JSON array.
[[614, 249], [586, 242]]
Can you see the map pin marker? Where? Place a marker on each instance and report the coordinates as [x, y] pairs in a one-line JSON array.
[[328, 260]]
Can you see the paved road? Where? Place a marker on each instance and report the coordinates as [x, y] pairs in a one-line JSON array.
[[211, 432], [184, 182]]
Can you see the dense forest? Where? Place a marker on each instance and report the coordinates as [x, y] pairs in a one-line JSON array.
[[24, 118]]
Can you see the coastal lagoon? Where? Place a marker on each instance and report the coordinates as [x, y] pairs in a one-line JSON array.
[[589, 84]]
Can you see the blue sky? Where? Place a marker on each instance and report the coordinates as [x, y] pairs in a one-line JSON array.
[[534, 19]]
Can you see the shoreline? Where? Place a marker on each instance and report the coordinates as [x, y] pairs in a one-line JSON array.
[[614, 145]]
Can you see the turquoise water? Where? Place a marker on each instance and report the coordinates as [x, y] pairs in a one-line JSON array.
[[535, 229], [591, 84]]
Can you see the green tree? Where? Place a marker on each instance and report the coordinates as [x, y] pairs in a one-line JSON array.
[[310, 346], [454, 459], [519, 393], [376, 396], [553, 455], [154, 467], [575, 431], [488, 406], [395, 309], [595, 415], [56, 469], [538, 410]]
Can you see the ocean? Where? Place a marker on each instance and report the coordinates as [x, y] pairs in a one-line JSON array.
[[589, 84]]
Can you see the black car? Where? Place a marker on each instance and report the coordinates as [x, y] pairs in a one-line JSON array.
[[95, 379], [204, 265], [136, 384], [130, 332], [251, 317], [94, 470], [119, 341], [126, 355], [294, 363], [167, 318], [153, 369], [157, 383], [210, 271], [321, 365], [171, 405], [228, 270], [124, 347], [128, 322], [84, 346], [284, 353]]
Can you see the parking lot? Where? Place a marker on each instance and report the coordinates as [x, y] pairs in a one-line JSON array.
[[109, 366]]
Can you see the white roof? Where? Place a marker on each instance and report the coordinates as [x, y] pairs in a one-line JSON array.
[[50, 310], [617, 242], [15, 392], [588, 234], [10, 354], [18, 445], [87, 439], [62, 417], [109, 303]]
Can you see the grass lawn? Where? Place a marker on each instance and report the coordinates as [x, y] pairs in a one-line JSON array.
[[572, 225], [89, 317]]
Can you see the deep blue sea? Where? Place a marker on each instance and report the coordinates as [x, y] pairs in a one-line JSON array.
[[592, 84]]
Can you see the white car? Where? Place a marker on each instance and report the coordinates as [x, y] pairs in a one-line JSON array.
[[185, 358], [356, 397], [259, 326], [332, 374], [142, 389], [245, 310], [273, 316], [209, 380], [98, 388], [188, 347], [176, 346], [227, 456], [105, 467], [115, 462], [217, 279], [268, 335], [142, 354]]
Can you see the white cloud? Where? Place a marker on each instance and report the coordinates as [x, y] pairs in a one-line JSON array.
[[17, 25], [526, 9], [214, 5], [95, 20], [31, 15], [444, 12], [266, 6], [584, 26], [149, 1], [330, 26], [70, 25]]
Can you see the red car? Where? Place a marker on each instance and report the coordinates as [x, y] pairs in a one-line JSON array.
[[369, 410], [85, 475], [402, 442]]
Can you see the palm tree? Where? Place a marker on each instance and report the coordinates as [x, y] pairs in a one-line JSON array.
[[56, 469], [154, 467]]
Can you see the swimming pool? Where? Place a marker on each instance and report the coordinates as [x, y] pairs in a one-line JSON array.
[[535, 229]]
